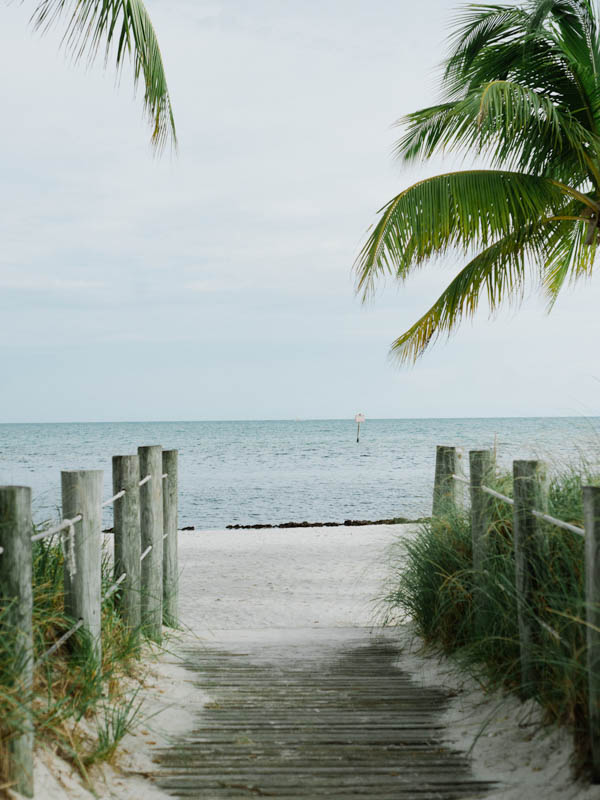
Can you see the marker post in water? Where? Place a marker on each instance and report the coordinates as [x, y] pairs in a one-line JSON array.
[[358, 419]]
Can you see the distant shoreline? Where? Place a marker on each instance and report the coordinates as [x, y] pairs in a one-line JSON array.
[[348, 523]]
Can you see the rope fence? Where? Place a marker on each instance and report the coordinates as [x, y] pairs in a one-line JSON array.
[[529, 498], [559, 523], [146, 552], [59, 642], [114, 587], [113, 499], [68, 523], [63, 525], [145, 565], [498, 495]]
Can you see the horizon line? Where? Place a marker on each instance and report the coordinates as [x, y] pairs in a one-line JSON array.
[[291, 419]]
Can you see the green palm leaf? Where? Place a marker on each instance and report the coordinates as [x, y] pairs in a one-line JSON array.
[[499, 273], [458, 209], [122, 27], [521, 88], [516, 127], [568, 259]]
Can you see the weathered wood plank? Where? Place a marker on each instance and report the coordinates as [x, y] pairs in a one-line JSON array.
[[306, 726]]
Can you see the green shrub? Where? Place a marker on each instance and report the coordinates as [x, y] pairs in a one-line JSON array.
[[69, 686], [474, 618]]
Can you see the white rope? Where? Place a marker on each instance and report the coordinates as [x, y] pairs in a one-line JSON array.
[[559, 523], [165, 536], [165, 475], [499, 496], [113, 499], [539, 514], [1, 550], [115, 586], [69, 552], [66, 523], [145, 553], [145, 480], [555, 634], [59, 642]]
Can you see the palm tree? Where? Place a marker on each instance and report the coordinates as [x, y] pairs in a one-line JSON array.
[[521, 89], [122, 28]]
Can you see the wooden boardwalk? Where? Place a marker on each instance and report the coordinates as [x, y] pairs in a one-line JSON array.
[[326, 715]]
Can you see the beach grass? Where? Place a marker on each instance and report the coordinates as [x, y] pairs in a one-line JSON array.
[[81, 709], [434, 585]]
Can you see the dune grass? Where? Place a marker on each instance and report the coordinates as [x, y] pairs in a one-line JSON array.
[[434, 584], [83, 710]]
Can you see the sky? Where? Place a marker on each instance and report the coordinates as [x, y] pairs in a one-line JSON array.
[[217, 283]]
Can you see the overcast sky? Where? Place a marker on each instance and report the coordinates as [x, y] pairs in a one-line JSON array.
[[218, 284]]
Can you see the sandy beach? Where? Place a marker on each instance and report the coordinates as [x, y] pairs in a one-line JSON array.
[[279, 583]]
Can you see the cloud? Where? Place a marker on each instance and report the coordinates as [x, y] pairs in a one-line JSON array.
[[42, 283]]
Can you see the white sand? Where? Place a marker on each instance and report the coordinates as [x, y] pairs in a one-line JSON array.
[[279, 583]]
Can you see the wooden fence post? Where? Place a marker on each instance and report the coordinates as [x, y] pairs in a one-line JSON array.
[[16, 593], [151, 517], [591, 510], [529, 493], [82, 494], [128, 537], [170, 565], [448, 494], [481, 464]]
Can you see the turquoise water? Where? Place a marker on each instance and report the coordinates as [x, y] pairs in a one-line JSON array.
[[248, 472]]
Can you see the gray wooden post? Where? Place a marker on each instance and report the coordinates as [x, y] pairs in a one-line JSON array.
[[128, 537], [448, 494], [82, 494], [170, 565], [16, 594], [151, 515], [591, 510], [480, 470], [529, 493]]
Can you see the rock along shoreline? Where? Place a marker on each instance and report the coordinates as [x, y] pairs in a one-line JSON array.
[[346, 523]]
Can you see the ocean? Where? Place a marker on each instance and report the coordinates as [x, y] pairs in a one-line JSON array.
[[279, 471]]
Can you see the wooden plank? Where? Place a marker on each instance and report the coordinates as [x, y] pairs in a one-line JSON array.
[[347, 725]]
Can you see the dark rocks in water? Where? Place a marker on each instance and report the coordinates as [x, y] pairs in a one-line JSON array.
[[346, 523], [188, 528]]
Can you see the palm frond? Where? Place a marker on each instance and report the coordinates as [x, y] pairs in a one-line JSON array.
[[499, 273], [541, 46], [568, 259], [521, 88], [126, 27], [518, 128], [478, 27], [455, 210]]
